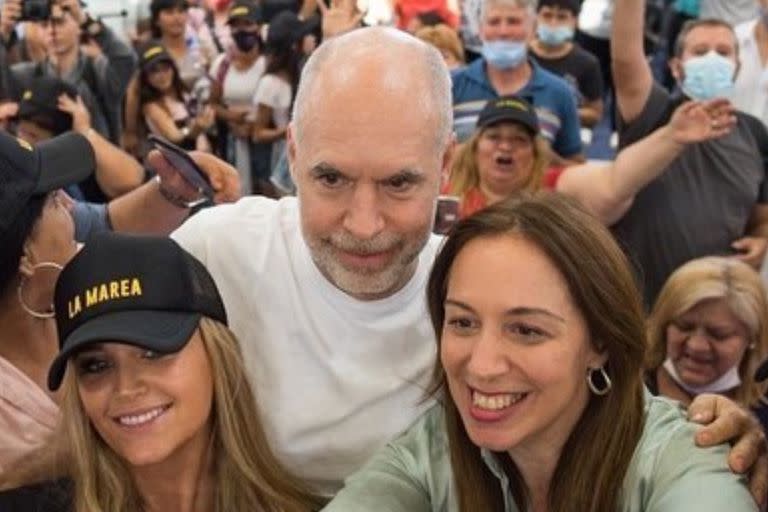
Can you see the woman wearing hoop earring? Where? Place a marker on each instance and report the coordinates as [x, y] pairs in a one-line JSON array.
[[541, 338], [36, 241]]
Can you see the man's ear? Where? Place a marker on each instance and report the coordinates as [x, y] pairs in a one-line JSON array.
[[448, 154], [676, 68], [291, 151]]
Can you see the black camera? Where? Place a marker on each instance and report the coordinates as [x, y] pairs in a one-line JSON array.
[[35, 10]]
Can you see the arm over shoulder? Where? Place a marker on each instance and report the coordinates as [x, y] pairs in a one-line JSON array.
[[686, 477]]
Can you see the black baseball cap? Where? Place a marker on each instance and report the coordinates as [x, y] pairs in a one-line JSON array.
[[152, 52], [39, 103], [286, 28], [509, 109], [28, 171], [244, 10], [139, 290]]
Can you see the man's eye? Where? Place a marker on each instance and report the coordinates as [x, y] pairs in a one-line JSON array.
[[400, 183], [331, 180]]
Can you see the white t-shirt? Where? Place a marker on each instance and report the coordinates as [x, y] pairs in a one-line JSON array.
[[239, 86], [750, 93], [276, 93], [730, 11], [335, 377]]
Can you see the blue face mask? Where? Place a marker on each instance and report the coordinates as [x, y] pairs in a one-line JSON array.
[[708, 76], [504, 54], [554, 36]]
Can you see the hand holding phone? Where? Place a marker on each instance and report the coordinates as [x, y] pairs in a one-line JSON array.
[[183, 163], [446, 214]]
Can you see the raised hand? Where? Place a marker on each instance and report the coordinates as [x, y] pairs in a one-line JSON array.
[[342, 16], [696, 121], [81, 118]]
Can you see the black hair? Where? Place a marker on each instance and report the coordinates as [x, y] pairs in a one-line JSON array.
[[12, 240], [148, 93], [570, 5], [284, 58], [156, 7], [430, 18]]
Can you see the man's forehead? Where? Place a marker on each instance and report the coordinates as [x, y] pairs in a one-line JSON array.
[[505, 9], [711, 35]]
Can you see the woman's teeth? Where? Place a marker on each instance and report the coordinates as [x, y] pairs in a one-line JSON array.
[[140, 419], [495, 402]]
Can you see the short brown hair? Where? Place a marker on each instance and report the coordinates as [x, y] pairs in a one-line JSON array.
[[689, 25]]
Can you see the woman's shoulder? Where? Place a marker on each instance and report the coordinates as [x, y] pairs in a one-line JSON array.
[[55, 496], [669, 471], [412, 473]]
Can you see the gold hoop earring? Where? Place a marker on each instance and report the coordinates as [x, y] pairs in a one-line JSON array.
[[19, 292]]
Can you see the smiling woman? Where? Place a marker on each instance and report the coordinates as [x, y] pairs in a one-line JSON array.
[[708, 333], [157, 412], [543, 404]]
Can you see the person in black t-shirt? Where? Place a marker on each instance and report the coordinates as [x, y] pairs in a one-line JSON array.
[[555, 50]]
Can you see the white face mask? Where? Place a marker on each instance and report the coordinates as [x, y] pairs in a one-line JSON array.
[[725, 382]]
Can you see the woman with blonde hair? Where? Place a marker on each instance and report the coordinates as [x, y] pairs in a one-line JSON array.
[[708, 333], [506, 155], [541, 336], [157, 411]]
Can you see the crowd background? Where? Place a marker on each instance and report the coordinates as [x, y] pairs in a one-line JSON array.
[[652, 115]]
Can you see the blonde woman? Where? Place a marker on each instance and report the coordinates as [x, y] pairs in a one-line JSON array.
[[708, 333], [506, 155], [157, 412]]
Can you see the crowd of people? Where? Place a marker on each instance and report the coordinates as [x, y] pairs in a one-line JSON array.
[[255, 255]]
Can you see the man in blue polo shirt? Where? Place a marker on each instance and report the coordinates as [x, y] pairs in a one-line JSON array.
[[504, 69]]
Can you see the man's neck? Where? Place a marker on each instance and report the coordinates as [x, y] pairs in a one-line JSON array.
[[551, 52], [509, 81], [65, 62]]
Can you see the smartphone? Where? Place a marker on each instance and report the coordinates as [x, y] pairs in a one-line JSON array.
[[446, 214], [183, 163]]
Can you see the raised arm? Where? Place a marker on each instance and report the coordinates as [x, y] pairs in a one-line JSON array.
[[631, 73], [608, 189], [148, 209], [116, 171]]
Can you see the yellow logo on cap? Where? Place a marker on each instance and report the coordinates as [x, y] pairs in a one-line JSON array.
[[100, 293], [239, 11], [26, 145], [27, 95], [512, 104], [152, 52]]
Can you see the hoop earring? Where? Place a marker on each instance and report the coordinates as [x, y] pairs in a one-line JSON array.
[[599, 386], [31, 312]]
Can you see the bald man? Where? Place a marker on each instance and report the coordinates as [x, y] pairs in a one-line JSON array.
[[326, 291]]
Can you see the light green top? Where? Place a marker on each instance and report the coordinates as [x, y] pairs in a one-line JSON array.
[[668, 473]]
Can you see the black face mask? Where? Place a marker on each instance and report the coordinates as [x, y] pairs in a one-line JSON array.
[[246, 41]]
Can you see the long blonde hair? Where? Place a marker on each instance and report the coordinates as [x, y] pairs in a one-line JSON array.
[[591, 467], [247, 474], [465, 174], [714, 277]]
